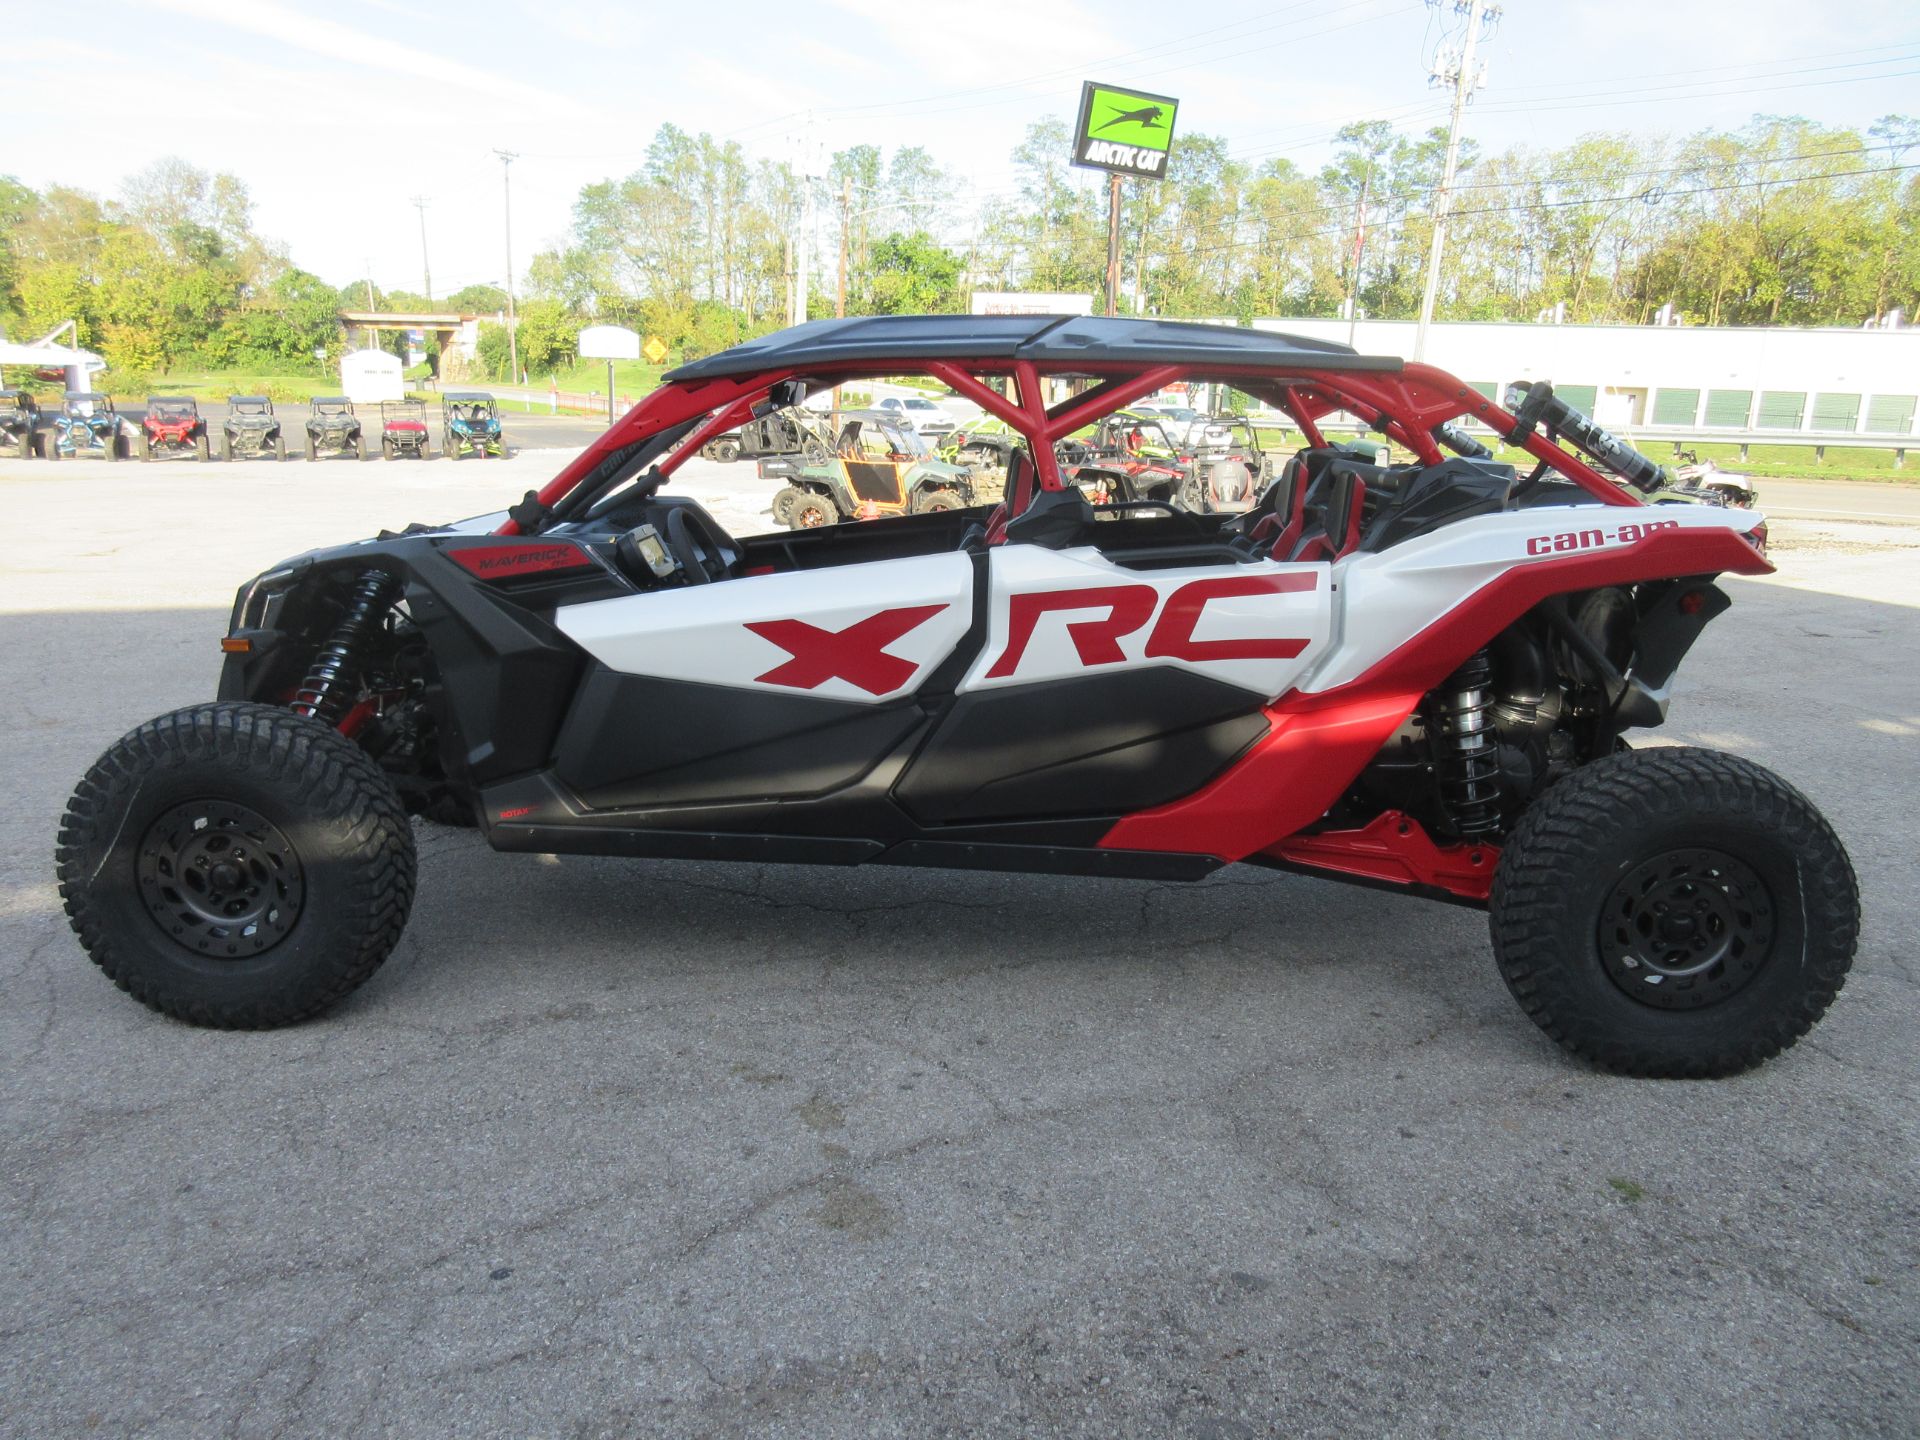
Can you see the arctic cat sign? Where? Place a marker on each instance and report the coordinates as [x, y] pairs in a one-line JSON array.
[[1126, 132]]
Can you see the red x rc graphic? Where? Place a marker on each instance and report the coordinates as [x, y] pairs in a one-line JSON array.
[[857, 654]]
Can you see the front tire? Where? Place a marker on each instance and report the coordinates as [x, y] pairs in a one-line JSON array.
[[236, 865], [1674, 913]]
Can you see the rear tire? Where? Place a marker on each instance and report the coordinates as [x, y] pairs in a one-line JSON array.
[[811, 510], [783, 499], [1674, 913], [304, 859], [360, 447], [202, 448]]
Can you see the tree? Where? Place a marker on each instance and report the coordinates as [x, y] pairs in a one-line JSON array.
[[913, 275], [478, 300], [547, 335]]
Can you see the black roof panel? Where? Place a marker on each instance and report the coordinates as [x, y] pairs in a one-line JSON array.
[[1053, 339]]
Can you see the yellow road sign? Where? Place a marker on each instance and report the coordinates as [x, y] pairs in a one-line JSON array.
[[655, 349]]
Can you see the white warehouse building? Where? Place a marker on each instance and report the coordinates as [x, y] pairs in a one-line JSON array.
[[1777, 386]]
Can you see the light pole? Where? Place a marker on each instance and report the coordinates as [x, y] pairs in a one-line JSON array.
[[426, 270], [507, 157], [1464, 81]]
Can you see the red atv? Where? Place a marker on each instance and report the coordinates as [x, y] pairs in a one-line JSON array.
[[172, 427], [1415, 676], [403, 431]]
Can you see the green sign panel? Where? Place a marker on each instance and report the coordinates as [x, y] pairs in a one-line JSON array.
[[1127, 132]]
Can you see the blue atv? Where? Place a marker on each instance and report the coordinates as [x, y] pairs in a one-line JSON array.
[[470, 425], [87, 425]]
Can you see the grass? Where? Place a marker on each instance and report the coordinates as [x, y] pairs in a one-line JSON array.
[[632, 378], [1631, 1192], [217, 385]]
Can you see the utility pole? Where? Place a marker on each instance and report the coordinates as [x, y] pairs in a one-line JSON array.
[[801, 260], [426, 270], [1458, 71], [507, 157], [1359, 254], [846, 209], [1113, 244]]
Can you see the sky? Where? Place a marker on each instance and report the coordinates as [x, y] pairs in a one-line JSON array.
[[338, 115]]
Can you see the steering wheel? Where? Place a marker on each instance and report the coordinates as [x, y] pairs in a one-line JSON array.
[[700, 565]]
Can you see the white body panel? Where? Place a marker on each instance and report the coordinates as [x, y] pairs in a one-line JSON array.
[[700, 632], [1388, 598], [1265, 627]]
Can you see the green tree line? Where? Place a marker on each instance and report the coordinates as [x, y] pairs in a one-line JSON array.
[[1783, 221]]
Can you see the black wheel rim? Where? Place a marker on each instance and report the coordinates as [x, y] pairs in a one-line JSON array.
[[220, 880], [1687, 929]]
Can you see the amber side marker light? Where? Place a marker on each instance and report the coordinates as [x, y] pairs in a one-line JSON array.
[[235, 645]]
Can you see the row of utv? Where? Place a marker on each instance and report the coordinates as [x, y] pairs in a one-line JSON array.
[[866, 464], [87, 426]]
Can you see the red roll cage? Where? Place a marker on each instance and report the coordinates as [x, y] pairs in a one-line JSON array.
[[1403, 405]]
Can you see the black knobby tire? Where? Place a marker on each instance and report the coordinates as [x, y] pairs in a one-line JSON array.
[[1759, 887], [313, 448], [202, 448], [146, 447], [810, 510], [726, 450], [330, 845], [928, 501], [783, 499]]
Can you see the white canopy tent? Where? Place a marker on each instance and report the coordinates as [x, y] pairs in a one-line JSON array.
[[43, 354]]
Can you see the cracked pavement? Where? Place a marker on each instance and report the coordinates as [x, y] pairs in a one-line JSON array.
[[672, 1149]]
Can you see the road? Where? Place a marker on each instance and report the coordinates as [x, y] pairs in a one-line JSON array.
[[672, 1149]]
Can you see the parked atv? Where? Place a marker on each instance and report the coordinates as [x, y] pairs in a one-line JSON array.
[[172, 427], [1128, 457], [878, 467], [784, 443], [333, 429], [252, 431], [1418, 677], [19, 421], [470, 425], [403, 430], [1734, 489], [87, 425]]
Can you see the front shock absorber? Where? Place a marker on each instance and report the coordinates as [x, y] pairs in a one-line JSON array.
[[328, 688], [1466, 748]]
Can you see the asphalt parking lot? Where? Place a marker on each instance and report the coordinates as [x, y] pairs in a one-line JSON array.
[[637, 1149]]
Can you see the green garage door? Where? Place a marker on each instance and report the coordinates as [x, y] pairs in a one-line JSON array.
[[1890, 414], [1781, 409], [1675, 407], [1836, 412], [1728, 409]]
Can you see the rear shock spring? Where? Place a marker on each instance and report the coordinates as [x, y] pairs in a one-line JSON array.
[[325, 692], [1466, 748]]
